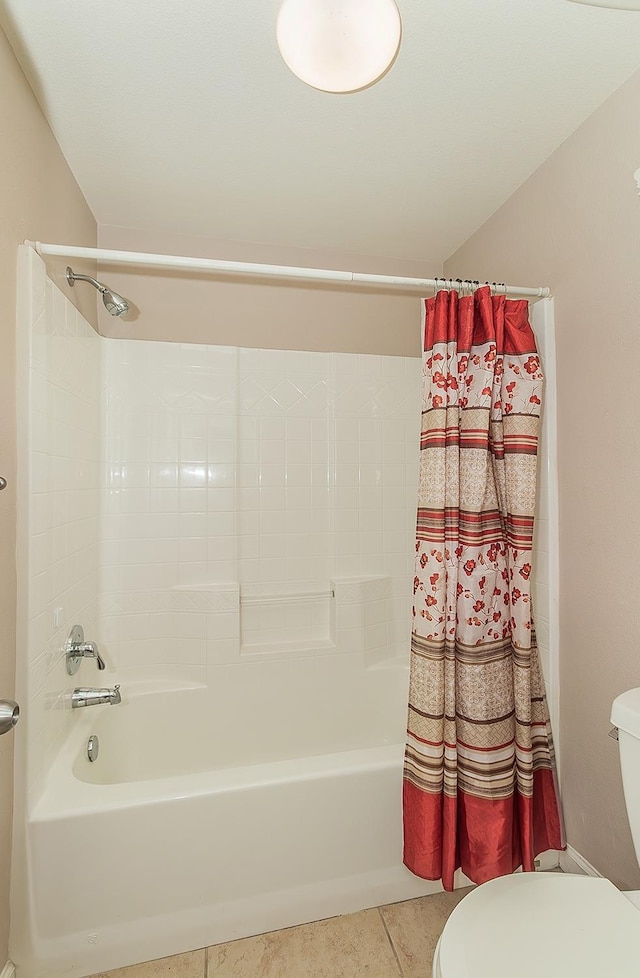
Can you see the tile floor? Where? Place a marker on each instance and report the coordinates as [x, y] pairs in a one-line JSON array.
[[395, 941]]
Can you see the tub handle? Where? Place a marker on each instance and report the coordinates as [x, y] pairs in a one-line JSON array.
[[77, 649]]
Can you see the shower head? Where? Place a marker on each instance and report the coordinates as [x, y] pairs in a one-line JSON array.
[[114, 303]]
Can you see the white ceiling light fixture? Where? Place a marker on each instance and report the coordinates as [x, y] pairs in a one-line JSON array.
[[611, 4], [339, 45]]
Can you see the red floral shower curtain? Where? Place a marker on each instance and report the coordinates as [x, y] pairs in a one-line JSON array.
[[479, 783]]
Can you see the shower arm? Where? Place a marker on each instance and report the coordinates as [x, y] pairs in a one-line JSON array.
[[73, 277]]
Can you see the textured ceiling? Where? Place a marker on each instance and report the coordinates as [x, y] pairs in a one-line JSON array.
[[180, 115]]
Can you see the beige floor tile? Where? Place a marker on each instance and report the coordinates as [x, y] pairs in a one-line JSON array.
[[190, 965], [415, 926], [341, 947]]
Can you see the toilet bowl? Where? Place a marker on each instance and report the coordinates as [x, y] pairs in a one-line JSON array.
[[541, 925], [548, 925]]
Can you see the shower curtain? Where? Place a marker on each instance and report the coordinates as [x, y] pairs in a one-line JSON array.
[[479, 780]]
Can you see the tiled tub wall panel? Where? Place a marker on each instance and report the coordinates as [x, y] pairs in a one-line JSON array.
[[544, 593], [259, 467], [64, 439], [285, 480], [540, 587], [187, 627], [377, 433]]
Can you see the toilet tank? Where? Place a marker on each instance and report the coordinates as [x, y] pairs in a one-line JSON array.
[[625, 715]]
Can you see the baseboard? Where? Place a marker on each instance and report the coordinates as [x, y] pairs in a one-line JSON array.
[[572, 862], [548, 860], [9, 970]]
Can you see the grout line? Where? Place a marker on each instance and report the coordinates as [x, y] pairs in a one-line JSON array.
[[389, 938], [206, 962]]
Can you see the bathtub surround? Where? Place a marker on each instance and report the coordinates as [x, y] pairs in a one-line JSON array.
[[37, 193], [252, 504], [254, 540], [59, 511], [234, 527], [582, 215], [545, 572]]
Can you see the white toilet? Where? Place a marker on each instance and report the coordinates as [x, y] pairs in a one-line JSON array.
[[546, 925]]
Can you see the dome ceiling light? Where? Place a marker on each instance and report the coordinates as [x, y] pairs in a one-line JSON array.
[[339, 45]]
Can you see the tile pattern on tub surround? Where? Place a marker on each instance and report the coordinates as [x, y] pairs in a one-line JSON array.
[[260, 468], [64, 446], [229, 466], [396, 941]]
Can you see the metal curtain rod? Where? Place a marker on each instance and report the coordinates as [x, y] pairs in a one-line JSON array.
[[271, 271]]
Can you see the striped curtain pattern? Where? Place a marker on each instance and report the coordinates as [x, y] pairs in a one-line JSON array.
[[479, 779]]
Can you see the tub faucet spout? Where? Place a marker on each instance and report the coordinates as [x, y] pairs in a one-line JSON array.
[[94, 697]]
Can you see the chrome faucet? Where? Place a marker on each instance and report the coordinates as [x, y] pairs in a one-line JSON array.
[[77, 649], [94, 697]]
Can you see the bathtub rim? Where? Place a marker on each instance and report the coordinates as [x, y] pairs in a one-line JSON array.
[[64, 795]]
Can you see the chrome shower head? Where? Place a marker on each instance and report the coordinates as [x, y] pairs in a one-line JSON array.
[[114, 303]]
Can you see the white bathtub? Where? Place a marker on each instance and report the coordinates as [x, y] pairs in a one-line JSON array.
[[212, 814]]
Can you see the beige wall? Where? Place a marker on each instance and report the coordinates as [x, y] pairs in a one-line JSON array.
[[200, 309], [575, 226], [38, 199]]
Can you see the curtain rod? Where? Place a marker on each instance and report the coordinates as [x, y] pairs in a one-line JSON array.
[[269, 271]]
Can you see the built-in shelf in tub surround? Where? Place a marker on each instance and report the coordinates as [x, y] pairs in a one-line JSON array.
[[286, 616], [342, 615], [217, 623]]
